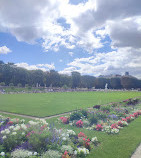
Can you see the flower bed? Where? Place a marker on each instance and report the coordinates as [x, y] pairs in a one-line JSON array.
[[110, 118], [38, 139]]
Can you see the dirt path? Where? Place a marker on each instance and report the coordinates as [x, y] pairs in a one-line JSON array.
[[137, 153]]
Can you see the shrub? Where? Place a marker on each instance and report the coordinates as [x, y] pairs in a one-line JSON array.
[[67, 148], [84, 113], [21, 153], [2, 84], [96, 106], [106, 108], [76, 116], [51, 154], [19, 85], [101, 115], [92, 119], [86, 123]]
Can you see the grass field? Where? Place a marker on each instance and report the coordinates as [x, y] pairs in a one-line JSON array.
[[112, 146], [45, 104]]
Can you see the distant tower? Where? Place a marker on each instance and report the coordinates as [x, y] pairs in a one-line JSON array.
[[126, 73]]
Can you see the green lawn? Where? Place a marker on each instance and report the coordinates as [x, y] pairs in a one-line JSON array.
[[46, 104], [112, 146]]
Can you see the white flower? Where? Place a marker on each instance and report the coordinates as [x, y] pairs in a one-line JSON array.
[[11, 127], [22, 120], [71, 132], [115, 131], [3, 131], [33, 123], [23, 126], [35, 153], [29, 153], [94, 139], [75, 152], [17, 128], [4, 137], [64, 138], [14, 133], [23, 133], [7, 131], [84, 150], [2, 153]]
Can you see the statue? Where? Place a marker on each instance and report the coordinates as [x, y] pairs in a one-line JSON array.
[[106, 86]]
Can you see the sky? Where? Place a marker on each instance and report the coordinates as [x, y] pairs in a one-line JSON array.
[[93, 37]]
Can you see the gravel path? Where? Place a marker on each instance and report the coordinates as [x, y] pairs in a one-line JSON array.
[[137, 153], [33, 117]]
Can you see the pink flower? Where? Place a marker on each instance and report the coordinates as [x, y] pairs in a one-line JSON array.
[[114, 125], [128, 119], [79, 123], [99, 127], [10, 122], [124, 119], [136, 114], [82, 135], [65, 120], [120, 124]]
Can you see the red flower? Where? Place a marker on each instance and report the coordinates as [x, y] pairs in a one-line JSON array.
[[124, 119], [65, 120], [79, 123], [114, 125], [82, 135], [99, 127], [120, 124], [128, 119], [136, 114], [10, 122], [65, 155]]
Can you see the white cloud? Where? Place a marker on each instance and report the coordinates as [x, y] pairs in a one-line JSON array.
[[115, 62], [126, 33], [71, 53], [4, 50], [31, 21], [89, 24], [60, 60], [43, 67]]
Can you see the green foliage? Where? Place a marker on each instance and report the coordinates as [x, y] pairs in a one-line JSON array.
[[76, 116], [19, 85], [2, 84], [51, 154], [84, 113], [11, 84], [106, 108], [92, 118], [101, 115], [65, 86]]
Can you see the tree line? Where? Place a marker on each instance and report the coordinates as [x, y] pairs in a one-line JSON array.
[[11, 75]]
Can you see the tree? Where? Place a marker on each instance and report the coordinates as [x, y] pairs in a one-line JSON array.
[[100, 83], [19, 85], [115, 83], [87, 81], [76, 79], [129, 82]]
